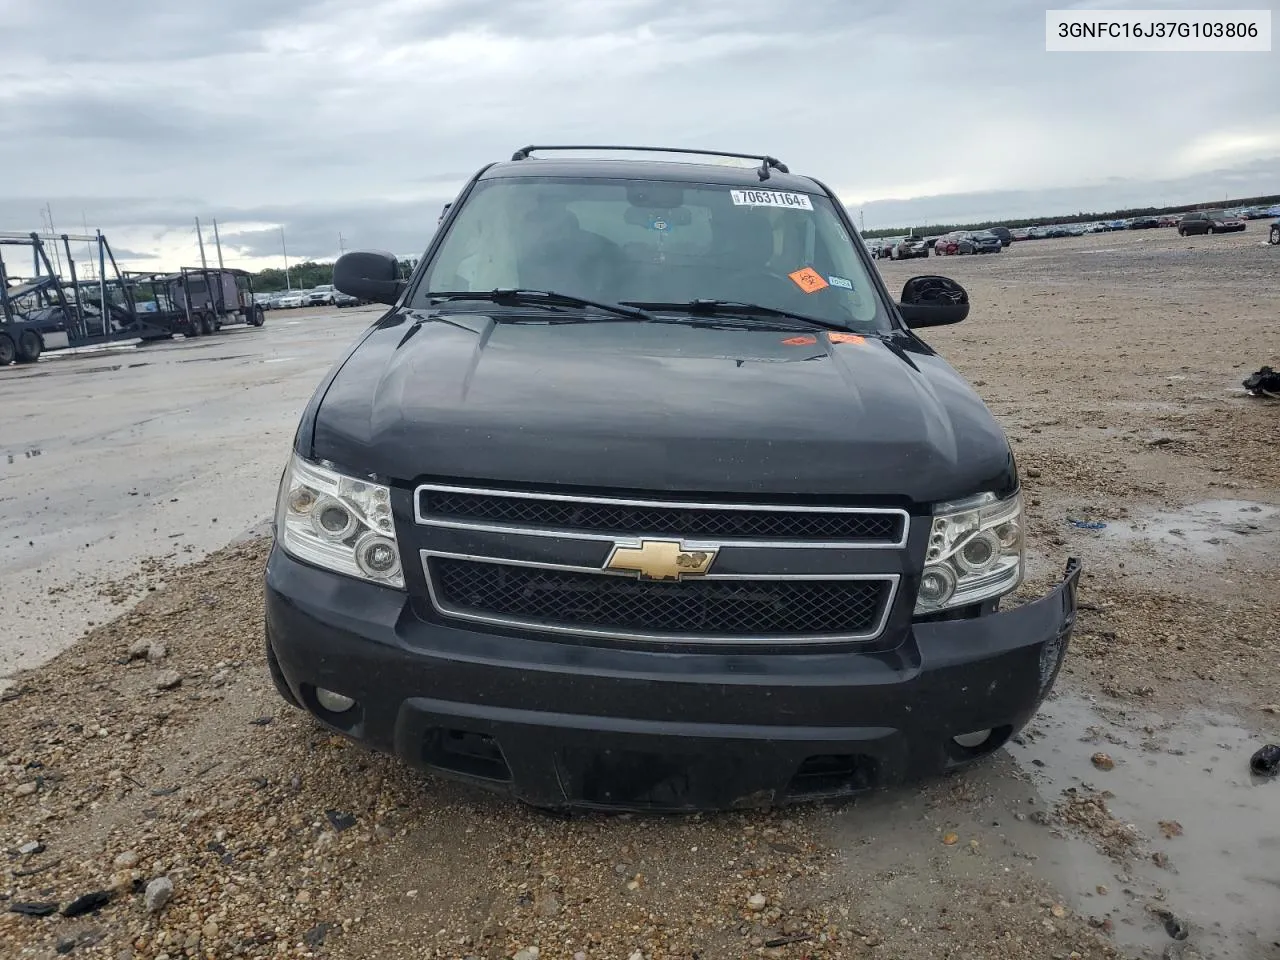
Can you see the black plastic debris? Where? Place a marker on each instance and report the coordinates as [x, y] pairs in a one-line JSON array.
[[1266, 762], [1264, 383], [33, 909], [87, 903], [340, 821]]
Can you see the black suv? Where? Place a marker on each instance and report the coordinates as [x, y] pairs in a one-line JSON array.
[[1208, 221], [644, 494]]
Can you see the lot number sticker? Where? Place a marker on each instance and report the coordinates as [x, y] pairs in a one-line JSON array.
[[808, 280], [770, 198]]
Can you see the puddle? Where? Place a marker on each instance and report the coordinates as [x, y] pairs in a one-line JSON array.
[[1204, 529], [1185, 788]]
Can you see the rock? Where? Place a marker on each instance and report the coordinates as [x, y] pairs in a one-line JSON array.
[[548, 906], [139, 649], [28, 849], [168, 680], [527, 953], [757, 902], [26, 789], [579, 956], [210, 930], [156, 652], [125, 861], [159, 893], [1102, 761], [34, 909], [88, 903]]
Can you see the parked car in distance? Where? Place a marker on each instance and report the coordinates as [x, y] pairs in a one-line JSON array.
[[980, 241], [1004, 233], [909, 248], [1209, 221], [1144, 223], [341, 300], [1020, 233], [321, 296], [289, 301], [947, 245]]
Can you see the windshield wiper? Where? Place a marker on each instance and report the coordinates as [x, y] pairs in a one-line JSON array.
[[548, 298], [732, 307]]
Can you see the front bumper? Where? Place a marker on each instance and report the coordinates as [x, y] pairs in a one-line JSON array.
[[559, 724]]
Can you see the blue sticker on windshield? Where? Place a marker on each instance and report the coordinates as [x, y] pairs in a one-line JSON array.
[[840, 282]]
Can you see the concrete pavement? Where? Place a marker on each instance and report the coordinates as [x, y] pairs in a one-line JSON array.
[[173, 449]]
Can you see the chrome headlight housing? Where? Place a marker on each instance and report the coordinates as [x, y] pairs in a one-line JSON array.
[[975, 552], [341, 523]]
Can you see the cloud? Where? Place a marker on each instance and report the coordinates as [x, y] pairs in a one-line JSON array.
[[327, 117]]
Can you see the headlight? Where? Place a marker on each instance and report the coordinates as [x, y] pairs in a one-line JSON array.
[[975, 553], [338, 522]]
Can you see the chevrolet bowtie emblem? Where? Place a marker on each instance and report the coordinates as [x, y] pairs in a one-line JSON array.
[[660, 559]]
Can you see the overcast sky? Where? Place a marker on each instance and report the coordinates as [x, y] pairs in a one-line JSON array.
[[328, 117]]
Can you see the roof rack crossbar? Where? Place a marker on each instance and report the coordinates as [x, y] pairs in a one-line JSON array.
[[766, 162]]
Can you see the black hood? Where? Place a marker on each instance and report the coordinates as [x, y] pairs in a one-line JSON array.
[[657, 407]]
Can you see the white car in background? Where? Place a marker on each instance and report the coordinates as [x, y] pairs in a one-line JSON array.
[[290, 300], [325, 295]]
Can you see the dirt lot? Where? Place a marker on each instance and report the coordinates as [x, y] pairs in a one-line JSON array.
[[1123, 823]]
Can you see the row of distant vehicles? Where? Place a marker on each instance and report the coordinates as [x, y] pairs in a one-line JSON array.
[[325, 295], [995, 239]]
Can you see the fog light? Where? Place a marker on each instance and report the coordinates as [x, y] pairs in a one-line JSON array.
[[377, 556], [333, 702], [975, 739], [937, 584]]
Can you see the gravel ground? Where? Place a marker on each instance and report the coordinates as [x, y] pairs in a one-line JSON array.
[[157, 748]]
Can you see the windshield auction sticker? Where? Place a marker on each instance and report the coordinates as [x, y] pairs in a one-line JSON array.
[[808, 280], [770, 198]]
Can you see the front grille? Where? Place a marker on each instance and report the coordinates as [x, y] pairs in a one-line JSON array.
[[740, 609], [701, 521]]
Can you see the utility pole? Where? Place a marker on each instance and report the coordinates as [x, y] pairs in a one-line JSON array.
[[87, 246], [200, 236], [288, 286], [53, 238], [217, 242], [862, 221], [342, 246]]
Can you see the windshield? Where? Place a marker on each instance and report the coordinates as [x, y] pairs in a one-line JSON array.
[[656, 242]]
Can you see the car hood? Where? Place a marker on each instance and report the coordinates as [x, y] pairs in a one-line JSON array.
[[636, 406]]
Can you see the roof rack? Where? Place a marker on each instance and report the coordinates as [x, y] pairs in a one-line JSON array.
[[765, 161]]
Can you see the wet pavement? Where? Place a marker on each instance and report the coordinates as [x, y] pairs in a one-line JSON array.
[[1207, 830], [1196, 836], [113, 456]]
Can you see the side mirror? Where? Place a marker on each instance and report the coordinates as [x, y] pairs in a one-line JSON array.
[[368, 275], [933, 302]]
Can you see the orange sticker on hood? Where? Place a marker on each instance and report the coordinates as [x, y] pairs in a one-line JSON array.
[[846, 338], [802, 341], [808, 280]]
